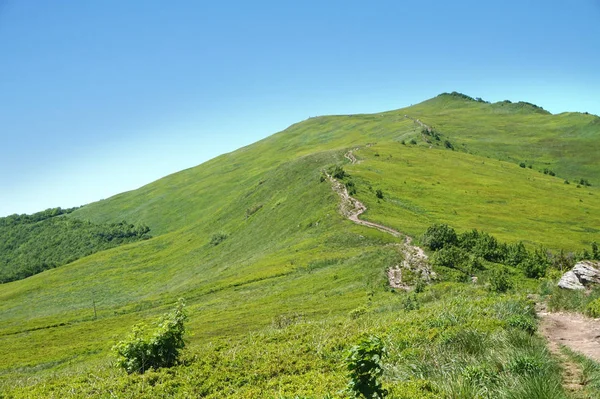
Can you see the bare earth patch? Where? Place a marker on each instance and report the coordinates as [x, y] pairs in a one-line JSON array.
[[578, 333]]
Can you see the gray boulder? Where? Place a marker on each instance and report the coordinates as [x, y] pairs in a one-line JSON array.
[[584, 273], [569, 281], [587, 272]]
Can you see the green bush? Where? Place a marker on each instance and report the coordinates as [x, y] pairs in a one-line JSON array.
[[439, 236], [379, 194], [338, 172], [500, 280], [137, 354], [453, 257], [593, 308], [364, 363], [218, 238]]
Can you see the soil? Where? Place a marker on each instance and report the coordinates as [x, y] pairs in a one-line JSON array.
[[575, 331]]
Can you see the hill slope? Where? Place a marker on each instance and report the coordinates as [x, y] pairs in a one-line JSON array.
[[254, 237]]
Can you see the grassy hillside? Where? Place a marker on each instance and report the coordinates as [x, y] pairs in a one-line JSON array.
[[254, 242]]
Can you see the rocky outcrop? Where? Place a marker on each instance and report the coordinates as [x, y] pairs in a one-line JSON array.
[[569, 281], [584, 273]]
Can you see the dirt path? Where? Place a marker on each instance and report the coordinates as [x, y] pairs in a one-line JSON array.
[[578, 333], [414, 256]]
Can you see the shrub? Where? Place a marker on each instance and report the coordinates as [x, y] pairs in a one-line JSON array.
[[500, 280], [136, 354], [351, 187], [522, 164], [413, 141], [218, 238], [451, 256], [448, 145], [356, 313], [364, 365], [536, 264], [379, 194], [515, 254], [338, 172], [593, 308], [439, 236]]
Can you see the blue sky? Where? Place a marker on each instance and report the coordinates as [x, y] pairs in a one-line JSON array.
[[100, 97]]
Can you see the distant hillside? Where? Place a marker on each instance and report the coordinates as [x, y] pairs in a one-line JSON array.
[[30, 244]]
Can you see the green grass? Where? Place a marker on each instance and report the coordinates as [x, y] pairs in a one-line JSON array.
[[271, 302]]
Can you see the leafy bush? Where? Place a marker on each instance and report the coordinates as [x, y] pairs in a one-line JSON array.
[[448, 145], [535, 265], [522, 164], [413, 141], [338, 172], [364, 363], [357, 312], [439, 236], [379, 194], [593, 308], [451, 256], [137, 355], [351, 187], [500, 280]]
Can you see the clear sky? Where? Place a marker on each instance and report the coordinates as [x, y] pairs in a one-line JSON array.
[[99, 97]]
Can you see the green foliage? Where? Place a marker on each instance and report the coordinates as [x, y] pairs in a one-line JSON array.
[[451, 256], [364, 364], [137, 354], [522, 165], [448, 145], [593, 308], [351, 187], [523, 322], [413, 141], [218, 238], [500, 280], [535, 264], [338, 172], [439, 236], [379, 194], [30, 244]]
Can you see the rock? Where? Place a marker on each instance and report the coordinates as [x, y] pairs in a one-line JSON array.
[[569, 281], [587, 272]]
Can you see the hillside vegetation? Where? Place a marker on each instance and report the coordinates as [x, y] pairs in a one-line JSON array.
[[279, 285], [30, 244]]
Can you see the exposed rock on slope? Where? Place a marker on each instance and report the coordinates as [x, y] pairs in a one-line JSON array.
[[583, 274]]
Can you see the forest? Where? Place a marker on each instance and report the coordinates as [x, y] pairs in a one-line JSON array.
[[30, 244]]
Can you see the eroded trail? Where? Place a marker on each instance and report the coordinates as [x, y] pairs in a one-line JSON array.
[[577, 332], [415, 258]]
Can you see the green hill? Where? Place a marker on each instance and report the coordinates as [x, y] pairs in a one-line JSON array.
[[279, 284]]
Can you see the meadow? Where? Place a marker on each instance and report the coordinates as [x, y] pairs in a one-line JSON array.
[[279, 285]]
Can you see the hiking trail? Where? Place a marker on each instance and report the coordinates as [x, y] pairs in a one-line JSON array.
[[414, 256], [575, 331]]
